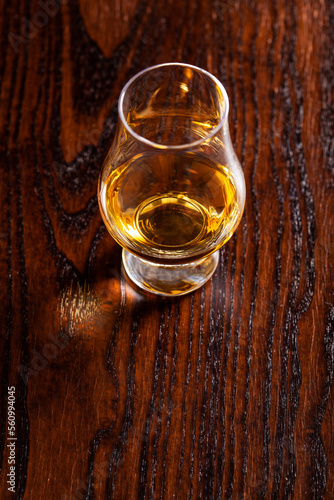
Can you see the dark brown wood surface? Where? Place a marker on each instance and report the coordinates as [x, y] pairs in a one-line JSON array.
[[224, 393]]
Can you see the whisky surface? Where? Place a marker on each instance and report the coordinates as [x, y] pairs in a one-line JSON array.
[[170, 205]]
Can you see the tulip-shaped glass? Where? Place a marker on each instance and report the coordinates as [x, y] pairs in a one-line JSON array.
[[171, 190]]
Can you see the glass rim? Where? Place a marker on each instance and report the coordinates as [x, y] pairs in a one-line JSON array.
[[156, 145]]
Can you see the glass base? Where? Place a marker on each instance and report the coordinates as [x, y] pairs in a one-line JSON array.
[[175, 279]]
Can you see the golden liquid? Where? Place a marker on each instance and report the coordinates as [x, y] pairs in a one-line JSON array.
[[170, 205]]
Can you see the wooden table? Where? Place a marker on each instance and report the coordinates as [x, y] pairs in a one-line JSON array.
[[108, 393]]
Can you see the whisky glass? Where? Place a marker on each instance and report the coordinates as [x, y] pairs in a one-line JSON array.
[[171, 191]]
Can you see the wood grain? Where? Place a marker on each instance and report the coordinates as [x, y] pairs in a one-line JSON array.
[[224, 393]]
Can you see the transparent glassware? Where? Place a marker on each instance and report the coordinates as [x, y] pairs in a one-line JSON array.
[[172, 191]]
